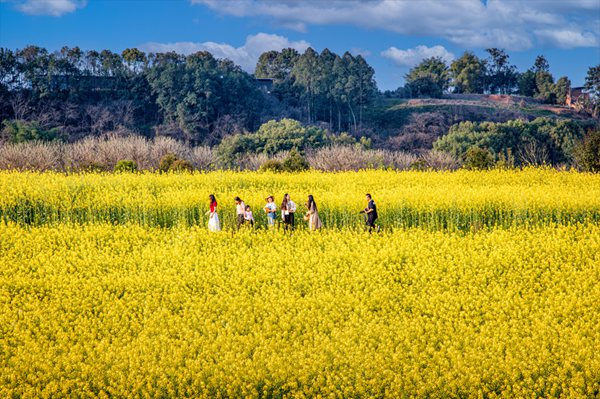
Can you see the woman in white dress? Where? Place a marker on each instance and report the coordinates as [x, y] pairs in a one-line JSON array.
[[213, 220]]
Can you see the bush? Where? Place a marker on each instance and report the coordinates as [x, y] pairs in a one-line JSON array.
[[478, 158], [172, 163], [295, 162], [166, 161], [271, 138], [587, 153], [18, 131], [272, 165], [181, 165], [126, 165]]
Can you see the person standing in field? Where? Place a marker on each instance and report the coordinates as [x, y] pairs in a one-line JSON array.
[[371, 212], [248, 217], [270, 209], [240, 208], [213, 220], [312, 215], [288, 209]]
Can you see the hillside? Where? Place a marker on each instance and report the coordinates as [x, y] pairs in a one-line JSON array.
[[414, 124]]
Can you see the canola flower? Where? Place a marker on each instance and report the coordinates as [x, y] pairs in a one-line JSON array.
[[98, 310], [434, 200]]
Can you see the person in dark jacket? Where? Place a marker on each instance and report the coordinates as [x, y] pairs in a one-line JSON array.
[[371, 212]]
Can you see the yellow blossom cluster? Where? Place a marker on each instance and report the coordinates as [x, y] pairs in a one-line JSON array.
[[435, 200], [100, 311]]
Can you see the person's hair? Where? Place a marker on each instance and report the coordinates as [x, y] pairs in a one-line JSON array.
[[247, 207], [284, 202], [311, 202], [212, 198], [237, 199], [369, 195]]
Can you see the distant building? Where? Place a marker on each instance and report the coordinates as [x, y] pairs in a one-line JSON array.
[[577, 97], [264, 84]]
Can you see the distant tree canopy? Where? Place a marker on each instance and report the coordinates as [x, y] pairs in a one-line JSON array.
[[197, 97], [327, 87], [471, 74], [271, 138], [543, 140]]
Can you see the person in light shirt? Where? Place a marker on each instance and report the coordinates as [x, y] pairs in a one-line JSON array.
[[248, 217], [288, 209], [240, 208], [270, 209]]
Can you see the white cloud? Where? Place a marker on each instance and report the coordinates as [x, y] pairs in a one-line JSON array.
[[412, 56], [359, 51], [566, 38], [245, 56], [55, 8], [501, 23]]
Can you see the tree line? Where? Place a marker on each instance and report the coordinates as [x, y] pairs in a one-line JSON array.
[[72, 93], [474, 75]]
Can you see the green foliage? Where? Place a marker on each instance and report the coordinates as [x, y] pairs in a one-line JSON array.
[[272, 165], [554, 137], [526, 83], [181, 165], [419, 165], [592, 85], [544, 83], [342, 139], [561, 90], [19, 131], [271, 138], [126, 165], [295, 162], [166, 161], [587, 152], [468, 73], [172, 163], [478, 159], [430, 78], [502, 76]]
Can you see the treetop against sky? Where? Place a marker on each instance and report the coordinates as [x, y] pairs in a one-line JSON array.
[[393, 35]]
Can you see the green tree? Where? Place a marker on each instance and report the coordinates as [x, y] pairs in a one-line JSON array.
[[544, 82], [526, 83], [502, 76], [18, 131], [592, 84], [430, 77], [306, 75], [468, 73], [562, 89]]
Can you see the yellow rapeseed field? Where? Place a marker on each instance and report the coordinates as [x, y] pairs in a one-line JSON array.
[[434, 200], [482, 285]]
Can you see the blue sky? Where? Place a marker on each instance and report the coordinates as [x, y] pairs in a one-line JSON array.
[[393, 35]]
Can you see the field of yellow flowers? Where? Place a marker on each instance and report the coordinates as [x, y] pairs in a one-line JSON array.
[[433, 200], [485, 285]]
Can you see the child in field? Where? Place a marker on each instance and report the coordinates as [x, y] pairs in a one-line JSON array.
[[270, 209], [248, 217]]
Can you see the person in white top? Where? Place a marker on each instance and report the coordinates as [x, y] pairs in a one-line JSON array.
[[288, 209], [240, 208], [270, 209], [248, 217]]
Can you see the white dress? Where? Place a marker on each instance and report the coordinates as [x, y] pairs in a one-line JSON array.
[[213, 222]]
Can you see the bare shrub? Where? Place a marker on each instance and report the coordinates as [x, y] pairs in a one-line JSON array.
[[532, 153], [32, 155], [254, 161], [165, 145], [203, 158], [440, 160], [340, 158]]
